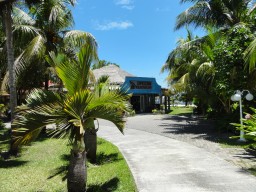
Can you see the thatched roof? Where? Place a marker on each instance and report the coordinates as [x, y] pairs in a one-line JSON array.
[[116, 75]]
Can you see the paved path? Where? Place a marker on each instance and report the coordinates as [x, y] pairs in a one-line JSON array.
[[162, 164]]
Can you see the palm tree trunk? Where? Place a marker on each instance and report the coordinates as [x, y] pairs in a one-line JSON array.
[[10, 56], [77, 172], [90, 141]]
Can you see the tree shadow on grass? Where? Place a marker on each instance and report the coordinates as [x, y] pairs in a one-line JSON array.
[[65, 157], [11, 163], [108, 186], [62, 170], [103, 158]]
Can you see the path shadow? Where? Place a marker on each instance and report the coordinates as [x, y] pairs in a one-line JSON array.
[[197, 126], [175, 118], [201, 128], [102, 158], [248, 154], [108, 186]]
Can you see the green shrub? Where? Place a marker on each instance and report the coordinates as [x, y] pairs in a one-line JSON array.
[[4, 137], [3, 109], [249, 126]]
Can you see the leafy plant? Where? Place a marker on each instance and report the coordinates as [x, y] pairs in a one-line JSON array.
[[74, 112], [249, 126]]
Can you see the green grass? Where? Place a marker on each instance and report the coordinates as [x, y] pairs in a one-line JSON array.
[[43, 166], [234, 143], [181, 111]]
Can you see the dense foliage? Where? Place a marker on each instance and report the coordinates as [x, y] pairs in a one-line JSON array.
[[209, 69]]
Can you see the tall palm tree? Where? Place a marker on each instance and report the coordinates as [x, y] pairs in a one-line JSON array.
[[191, 67], [6, 11], [219, 13], [73, 112], [51, 19]]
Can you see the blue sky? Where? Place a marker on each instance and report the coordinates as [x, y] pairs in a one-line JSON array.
[[135, 34]]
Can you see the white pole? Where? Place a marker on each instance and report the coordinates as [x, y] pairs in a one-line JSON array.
[[241, 121]]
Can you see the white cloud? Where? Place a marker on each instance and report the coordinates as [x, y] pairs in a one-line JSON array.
[[166, 9], [114, 25], [126, 4]]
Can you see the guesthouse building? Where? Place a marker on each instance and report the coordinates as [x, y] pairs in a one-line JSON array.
[[146, 93]]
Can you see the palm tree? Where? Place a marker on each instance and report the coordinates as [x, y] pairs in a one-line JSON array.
[[219, 13], [6, 10], [73, 113], [51, 21], [100, 88], [52, 18], [191, 67]]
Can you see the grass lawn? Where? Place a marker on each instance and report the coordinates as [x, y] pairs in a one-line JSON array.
[[42, 167], [181, 111]]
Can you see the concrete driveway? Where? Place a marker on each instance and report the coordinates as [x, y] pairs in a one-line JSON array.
[[162, 164]]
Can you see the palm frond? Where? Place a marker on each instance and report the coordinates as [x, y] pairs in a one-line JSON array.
[[109, 106], [35, 49], [38, 97], [205, 72], [79, 38], [26, 30], [42, 108], [76, 103], [76, 75], [22, 17], [250, 56], [196, 15]]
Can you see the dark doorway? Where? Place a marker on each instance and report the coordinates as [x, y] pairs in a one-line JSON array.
[[135, 101]]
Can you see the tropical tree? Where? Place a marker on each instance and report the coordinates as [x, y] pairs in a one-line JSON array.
[[218, 13], [100, 88], [6, 10], [3, 60], [191, 68], [73, 113], [52, 18]]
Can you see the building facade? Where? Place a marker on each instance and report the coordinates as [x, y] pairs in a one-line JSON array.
[[146, 93]]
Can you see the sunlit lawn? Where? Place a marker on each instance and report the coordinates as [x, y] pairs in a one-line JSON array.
[[181, 110], [42, 167]]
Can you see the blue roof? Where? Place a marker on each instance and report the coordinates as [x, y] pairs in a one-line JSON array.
[[141, 85]]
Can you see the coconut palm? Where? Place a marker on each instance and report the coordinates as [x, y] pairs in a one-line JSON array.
[[219, 13], [51, 19], [6, 14], [6, 10], [191, 67], [73, 113]]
